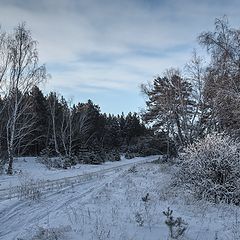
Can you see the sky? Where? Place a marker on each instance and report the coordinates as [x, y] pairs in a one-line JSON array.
[[104, 50]]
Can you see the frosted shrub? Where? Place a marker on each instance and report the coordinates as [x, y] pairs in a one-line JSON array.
[[211, 169], [29, 188]]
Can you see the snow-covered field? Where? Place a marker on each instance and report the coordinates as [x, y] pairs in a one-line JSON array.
[[110, 205], [29, 167]]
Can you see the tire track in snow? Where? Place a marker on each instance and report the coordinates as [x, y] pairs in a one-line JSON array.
[[56, 184], [16, 216]]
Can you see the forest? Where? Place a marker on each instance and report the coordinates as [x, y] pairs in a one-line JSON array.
[[182, 106], [33, 124], [97, 175]]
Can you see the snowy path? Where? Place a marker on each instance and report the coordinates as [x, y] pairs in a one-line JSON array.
[[60, 183], [18, 216], [104, 207]]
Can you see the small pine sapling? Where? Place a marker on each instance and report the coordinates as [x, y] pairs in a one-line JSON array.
[[177, 226], [146, 198]]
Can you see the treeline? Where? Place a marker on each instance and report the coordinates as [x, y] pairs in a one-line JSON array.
[[203, 97], [199, 108], [34, 124], [50, 125], [181, 106], [64, 129]]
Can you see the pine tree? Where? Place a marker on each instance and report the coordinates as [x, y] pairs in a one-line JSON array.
[[41, 126], [169, 106]]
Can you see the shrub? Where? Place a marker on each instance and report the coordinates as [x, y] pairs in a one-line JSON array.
[[29, 189], [211, 169]]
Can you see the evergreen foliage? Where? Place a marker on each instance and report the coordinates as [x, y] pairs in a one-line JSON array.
[[80, 133], [179, 109]]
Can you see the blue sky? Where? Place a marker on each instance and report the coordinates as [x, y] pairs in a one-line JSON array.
[[104, 49]]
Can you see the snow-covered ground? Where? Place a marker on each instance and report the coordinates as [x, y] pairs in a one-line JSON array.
[[31, 168], [111, 206]]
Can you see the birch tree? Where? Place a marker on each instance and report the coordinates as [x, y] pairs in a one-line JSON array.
[[195, 72], [222, 83], [19, 72], [81, 127]]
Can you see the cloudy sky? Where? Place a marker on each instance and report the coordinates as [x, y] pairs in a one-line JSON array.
[[104, 49]]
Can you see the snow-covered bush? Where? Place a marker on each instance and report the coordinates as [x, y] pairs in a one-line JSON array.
[[29, 189], [211, 169]]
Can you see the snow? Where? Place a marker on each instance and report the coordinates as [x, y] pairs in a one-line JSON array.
[[105, 207], [30, 167]]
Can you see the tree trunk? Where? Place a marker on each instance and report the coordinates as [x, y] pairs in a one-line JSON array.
[[10, 161], [180, 135]]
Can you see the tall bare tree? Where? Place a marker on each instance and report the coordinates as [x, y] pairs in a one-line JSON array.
[[19, 72], [195, 71], [222, 83]]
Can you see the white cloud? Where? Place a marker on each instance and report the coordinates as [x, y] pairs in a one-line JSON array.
[[106, 45]]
